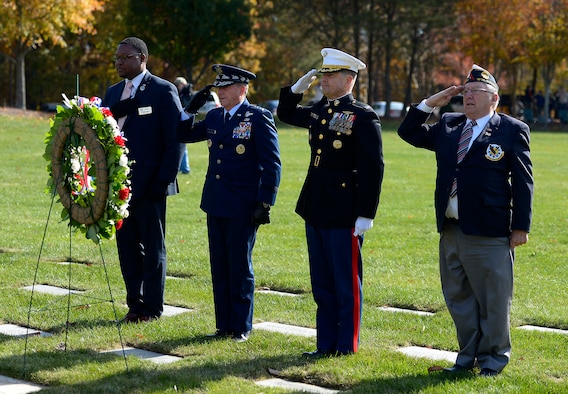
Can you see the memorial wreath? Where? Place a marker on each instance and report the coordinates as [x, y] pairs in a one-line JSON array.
[[88, 167]]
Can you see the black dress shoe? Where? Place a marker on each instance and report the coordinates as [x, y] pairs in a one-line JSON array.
[[486, 372], [219, 334], [241, 336], [316, 354], [456, 369], [340, 354]]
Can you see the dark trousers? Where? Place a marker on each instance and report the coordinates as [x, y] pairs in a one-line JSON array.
[[142, 254], [231, 241], [336, 272]]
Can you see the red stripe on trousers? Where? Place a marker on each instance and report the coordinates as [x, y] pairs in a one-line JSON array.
[[356, 293]]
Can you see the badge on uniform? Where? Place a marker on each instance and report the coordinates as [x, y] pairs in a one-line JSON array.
[[494, 152], [341, 122], [242, 131], [145, 110]]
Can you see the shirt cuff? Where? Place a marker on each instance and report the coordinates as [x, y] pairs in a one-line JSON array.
[[424, 108]]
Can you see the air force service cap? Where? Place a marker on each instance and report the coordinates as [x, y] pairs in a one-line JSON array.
[[336, 60], [229, 75], [479, 74]]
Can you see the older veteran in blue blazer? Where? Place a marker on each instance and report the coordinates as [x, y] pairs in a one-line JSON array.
[[483, 198], [240, 187]]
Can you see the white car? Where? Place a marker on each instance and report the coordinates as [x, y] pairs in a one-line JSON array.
[[395, 108], [212, 102]]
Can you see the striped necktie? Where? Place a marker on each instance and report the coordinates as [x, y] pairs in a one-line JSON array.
[[463, 145]]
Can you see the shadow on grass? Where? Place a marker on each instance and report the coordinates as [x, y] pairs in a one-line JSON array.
[[140, 379]]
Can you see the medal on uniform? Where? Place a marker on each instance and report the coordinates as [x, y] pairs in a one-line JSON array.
[[240, 149], [342, 122], [242, 131], [337, 144]]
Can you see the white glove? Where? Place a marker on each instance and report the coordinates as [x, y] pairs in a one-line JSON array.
[[304, 83], [361, 225]]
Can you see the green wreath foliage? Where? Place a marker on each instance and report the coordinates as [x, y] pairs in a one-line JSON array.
[[86, 151]]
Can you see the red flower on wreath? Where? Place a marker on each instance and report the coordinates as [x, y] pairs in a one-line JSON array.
[[124, 193], [118, 224], [119, 140], [106, 111]]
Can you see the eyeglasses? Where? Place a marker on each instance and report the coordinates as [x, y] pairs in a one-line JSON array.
[[475, 92], [123, 58]]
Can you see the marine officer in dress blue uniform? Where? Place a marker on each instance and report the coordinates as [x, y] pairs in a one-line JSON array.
[[340, 195], [240, 187]]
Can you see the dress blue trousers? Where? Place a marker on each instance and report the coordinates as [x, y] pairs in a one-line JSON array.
[[231, 241], [336, 272]]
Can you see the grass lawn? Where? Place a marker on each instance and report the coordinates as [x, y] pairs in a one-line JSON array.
[[400, 269]]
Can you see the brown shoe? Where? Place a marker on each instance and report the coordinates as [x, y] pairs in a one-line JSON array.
[[145, 318], [129, 318]]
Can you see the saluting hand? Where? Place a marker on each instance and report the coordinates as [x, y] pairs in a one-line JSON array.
[[304, 83], [198, 100], [443, 97]]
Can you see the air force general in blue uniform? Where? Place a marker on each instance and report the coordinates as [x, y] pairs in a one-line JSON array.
[[340, 195], [240, 187]]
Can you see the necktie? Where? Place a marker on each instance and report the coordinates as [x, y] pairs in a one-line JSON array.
[[125, 95], [227, 117], [463, 145]]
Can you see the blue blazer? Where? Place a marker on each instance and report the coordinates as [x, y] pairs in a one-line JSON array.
[[244, 159], [150, 132], [495, 180]]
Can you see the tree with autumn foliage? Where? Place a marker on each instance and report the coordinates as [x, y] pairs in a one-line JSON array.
[[26, 25], [546, 40], [191, 35], [493, 34], [509, 36]]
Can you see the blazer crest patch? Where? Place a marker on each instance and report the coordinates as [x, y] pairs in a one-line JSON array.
[[494, 152]]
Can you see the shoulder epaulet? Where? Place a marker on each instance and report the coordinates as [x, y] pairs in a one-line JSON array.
[[258, 108], [362, 105]]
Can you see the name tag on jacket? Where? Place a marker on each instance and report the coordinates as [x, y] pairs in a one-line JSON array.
[[144, 111]]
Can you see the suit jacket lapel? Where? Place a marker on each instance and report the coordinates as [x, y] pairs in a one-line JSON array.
[[490, 128], [141, 90]]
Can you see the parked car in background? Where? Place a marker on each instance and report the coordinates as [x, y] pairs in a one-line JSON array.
[[212, 102], [270, 105], [396, 108], [50, 107]]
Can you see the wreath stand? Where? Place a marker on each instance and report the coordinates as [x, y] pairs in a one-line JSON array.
[[84, 215]]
